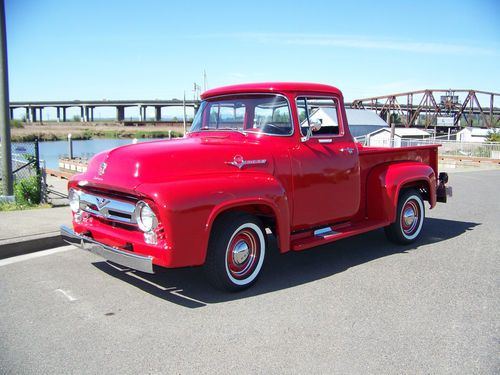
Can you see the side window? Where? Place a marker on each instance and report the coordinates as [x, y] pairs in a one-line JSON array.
[[323, 110]]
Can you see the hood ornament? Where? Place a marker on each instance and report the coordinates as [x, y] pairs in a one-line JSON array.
[[239, 162], [102, 202], [102, 169]]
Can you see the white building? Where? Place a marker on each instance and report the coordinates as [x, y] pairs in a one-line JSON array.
[[402, 137], [475, 135], [363, 122]]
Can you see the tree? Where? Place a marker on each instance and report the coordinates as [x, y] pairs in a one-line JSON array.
[[396, 119], [493, 136]]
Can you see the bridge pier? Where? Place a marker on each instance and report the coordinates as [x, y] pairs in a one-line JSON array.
[[142, 112], [28, 118], [82, 114], [120, 113], [157, 113], [58, 110], [11, 113], [64, 114], [86, 114], [33, 114]]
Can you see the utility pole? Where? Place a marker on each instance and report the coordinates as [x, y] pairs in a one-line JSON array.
[[7, 182], [184, 112]]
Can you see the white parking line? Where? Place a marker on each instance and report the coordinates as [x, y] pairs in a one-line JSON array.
[[66, 294], [38, 254]]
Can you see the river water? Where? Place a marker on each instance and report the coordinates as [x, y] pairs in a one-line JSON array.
[[51, 151]]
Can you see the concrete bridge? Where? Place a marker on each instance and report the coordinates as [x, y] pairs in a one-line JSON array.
[[34, 110]]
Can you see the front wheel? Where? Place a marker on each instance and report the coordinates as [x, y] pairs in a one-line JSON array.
[[410, 216], [236, 252]]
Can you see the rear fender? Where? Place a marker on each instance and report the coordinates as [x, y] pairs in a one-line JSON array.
[[385, 182]]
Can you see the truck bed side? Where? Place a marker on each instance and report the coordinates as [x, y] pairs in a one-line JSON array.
[[373, 160]]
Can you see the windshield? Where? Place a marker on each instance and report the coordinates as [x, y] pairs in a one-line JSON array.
[[268, 114]]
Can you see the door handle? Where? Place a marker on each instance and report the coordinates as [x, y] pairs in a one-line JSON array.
[[349, 150]]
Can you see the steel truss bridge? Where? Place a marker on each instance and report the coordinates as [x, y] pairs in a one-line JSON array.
[[423, 108]]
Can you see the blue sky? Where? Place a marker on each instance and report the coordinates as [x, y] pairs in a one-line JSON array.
[[65, 50]]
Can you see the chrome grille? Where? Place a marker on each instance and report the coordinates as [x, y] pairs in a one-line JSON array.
[[108, 208]]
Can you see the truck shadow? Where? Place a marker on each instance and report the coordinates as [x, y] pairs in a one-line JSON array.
[[187, 287]]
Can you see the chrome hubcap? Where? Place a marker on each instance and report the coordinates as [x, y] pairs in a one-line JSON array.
[[240, 252], [243, 254], [409, 216]]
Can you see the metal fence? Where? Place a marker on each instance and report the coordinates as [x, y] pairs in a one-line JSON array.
[[25, 162], [448, 147]]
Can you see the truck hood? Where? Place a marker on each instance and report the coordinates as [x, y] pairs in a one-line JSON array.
[[126, 167]]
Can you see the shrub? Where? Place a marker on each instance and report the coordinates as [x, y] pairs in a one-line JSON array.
[[14, 123], [27, 191], [493, 136]]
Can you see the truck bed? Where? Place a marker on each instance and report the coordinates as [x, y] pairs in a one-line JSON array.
[[370, 157]]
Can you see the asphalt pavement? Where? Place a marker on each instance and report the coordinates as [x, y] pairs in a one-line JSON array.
[[357, 306]]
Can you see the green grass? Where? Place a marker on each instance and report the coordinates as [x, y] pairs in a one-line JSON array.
[[91, 134], [17, 207]]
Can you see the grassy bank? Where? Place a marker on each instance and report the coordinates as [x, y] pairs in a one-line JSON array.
[[94, 134], [57, 132], [20, 207]]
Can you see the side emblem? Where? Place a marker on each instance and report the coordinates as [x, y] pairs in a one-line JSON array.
[[239, 162], [102, 169]]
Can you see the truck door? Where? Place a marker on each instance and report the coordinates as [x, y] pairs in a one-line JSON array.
[[325, 166]]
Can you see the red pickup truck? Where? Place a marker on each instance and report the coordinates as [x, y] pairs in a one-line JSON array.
[[275, 157]]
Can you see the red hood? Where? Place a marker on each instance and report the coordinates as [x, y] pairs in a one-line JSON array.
[[162, 161]]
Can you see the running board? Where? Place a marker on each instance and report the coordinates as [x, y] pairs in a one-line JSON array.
[[325, 233], [306, 240]]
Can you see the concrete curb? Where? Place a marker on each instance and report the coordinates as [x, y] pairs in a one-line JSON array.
[[30, 244]]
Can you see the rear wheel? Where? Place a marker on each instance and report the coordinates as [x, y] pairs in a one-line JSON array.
[[410, 216], [236, 252]]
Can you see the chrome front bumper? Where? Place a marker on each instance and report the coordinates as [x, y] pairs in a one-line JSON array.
[[135, 261]]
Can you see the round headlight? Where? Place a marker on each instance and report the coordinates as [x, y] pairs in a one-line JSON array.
[[145, 217], [74, 200]]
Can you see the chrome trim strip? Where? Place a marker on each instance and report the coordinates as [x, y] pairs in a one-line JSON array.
[[107, 208], [138, 262], [340, 119], [324, 232]]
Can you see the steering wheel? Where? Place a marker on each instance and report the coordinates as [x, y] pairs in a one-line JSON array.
[[274, 129]]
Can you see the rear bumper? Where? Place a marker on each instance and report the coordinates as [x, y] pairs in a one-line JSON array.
[[135, 261], [443, 191]]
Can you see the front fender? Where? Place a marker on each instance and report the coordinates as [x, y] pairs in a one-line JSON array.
[[385, 182], [189, 208]]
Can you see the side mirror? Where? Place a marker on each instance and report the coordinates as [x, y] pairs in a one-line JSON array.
[[314, 126]]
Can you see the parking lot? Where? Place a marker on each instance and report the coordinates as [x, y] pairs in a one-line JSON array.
[[358, 306]]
